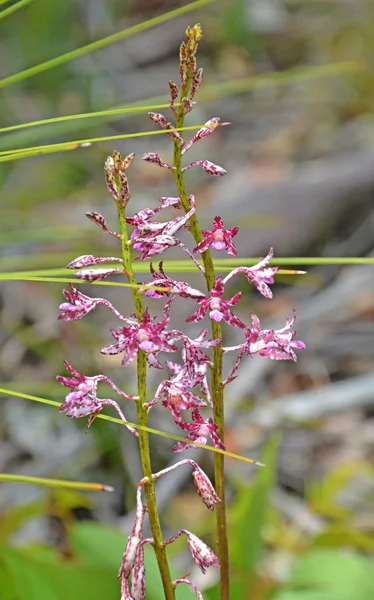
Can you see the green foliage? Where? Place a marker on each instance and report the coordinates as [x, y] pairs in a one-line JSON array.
[[89, 574], [330, 575], [250, 514], [27, 575]]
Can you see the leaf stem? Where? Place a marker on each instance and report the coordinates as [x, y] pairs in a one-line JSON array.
[[217, 389], [142, 414]]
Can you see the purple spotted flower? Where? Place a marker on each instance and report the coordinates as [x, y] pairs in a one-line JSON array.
[[276, 344], [78, 305], [199, 430], [195, 361], [146, 335], [259, 275], [218, 309], [180, 288], [219, 238], [83, 401], [176, 394]]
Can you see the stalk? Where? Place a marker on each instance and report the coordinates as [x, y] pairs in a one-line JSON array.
[[142, 414], [217, 389]]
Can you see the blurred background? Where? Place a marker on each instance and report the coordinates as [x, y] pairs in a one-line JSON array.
[[299, 155]]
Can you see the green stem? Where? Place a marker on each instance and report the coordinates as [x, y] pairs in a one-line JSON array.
[[217, 389], [142, 414]]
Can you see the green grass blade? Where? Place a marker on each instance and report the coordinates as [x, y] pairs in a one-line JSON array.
[[188, 266], [213, 91], [76, 485], [101, 113], [226, 88], [248, 541], [5, 392], [12, 9], [7, 155], [102, 43]]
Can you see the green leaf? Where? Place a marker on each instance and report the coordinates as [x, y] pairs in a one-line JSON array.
[[322, 495], [247, 543], [329, 575], [96, 544], [344, 536], [29, 577], [13, 518]]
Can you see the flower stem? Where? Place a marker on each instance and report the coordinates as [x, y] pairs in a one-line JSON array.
[[142, 414], [217, 389]]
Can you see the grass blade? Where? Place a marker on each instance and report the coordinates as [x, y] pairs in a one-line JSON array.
[[7, 155], [12, 9], [5, 392], [76, 485], [102, 43]]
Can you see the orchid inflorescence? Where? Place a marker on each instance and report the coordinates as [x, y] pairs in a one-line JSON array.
[[185, 390]]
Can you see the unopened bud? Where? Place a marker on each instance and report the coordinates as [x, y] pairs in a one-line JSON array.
[[182, 52], [135, 538], [138, 585], [205, 488], [187, 105], [109, 171], [208, 128], [154, 158], [173, 95], [86, 260], [195, 83], [96, 274], [201, 553], [158, 118], [101, 222]]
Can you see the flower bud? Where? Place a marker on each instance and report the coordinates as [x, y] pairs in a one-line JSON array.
[[86, 260], [101, 222], [135, 538], [205, 488], [195, 83], [96, 274], [201, 553], [138, 585], [109, 172], [154, 158]]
